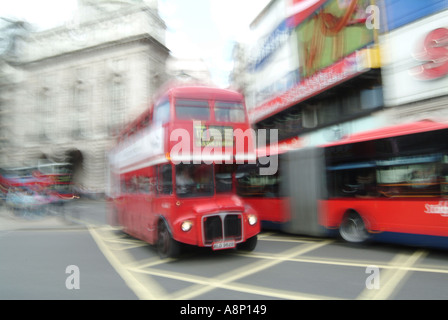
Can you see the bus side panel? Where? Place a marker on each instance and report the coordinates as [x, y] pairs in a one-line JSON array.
[[147, 219], [184, 208], [410, 216], [303, 177], [332, 212], [270, 209]]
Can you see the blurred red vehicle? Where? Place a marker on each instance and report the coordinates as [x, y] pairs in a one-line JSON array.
[[172, 172], [389, 184]]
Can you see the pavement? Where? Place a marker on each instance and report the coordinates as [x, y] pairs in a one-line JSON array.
[[77, 214]]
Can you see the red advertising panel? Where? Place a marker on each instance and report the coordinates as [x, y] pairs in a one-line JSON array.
[[301, 9]]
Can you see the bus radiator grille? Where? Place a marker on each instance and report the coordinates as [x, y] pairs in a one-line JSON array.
[[229, 225]]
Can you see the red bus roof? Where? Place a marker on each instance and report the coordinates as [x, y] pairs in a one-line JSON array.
[[208, 93], [392, 131]]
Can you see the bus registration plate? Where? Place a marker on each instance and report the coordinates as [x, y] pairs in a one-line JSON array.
[[224, 245]]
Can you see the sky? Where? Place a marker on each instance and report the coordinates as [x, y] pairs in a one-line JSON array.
[[44, 13], [203, 29], [208, 29]]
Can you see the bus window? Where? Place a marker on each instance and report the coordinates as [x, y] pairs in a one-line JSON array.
[[192, 110], [144, 185], [194, 180], [133, 188], [229, 112], [352, 183], [162, 112], [403, 178], [223, 176], [251, 184], [164, 180], [122, 185]]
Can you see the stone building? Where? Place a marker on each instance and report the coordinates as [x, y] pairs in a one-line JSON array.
[[77, 85]]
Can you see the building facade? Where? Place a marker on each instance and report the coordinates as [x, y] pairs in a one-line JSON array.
[[77, 85], [322, 70], [320, 76]]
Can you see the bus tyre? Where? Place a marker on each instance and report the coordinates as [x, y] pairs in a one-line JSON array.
[[249, 245], [167, 247], [353, 228]]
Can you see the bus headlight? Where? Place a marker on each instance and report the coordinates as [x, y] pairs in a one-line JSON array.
[[186, 225], [252, 219]]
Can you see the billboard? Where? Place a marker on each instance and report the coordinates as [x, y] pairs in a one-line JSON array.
[[349, 67], [332, 32], [272, 62], [415, 59], [299, 10], [402, 12]]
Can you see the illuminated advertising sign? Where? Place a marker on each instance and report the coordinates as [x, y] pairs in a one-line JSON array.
[[334, 45], [272, 62], [270, 45], [434, 55], [347, 68], [415, 58], [299, 10], [331, 33], [402, 12]]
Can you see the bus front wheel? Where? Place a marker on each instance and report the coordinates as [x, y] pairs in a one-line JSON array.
[[249, 244], [353, 228], [167, 247]]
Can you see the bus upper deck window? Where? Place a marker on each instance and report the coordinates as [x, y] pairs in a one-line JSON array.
[[229, 112], [192, 110], [162, 112]]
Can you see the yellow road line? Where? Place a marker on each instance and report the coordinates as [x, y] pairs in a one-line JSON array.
[[143, 287], [137, 274], [344, 262], [247, 288], [124, 247], [273, 237], [245, 271], [391, 279]]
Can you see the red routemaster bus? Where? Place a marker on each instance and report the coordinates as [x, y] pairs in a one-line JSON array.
[[172, 172], [389, 184]]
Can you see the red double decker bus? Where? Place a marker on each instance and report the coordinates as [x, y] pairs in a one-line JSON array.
[[389, 184], [172, 172]]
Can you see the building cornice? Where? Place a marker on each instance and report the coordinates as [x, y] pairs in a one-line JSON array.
[[142, 38], [113, 28]]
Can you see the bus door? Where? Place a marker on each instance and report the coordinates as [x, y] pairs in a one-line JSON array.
[[303, 179]]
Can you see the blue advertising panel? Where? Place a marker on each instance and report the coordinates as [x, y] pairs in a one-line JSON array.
[[403, 12]]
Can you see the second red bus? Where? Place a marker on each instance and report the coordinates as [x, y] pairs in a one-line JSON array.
[[389, 184]]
